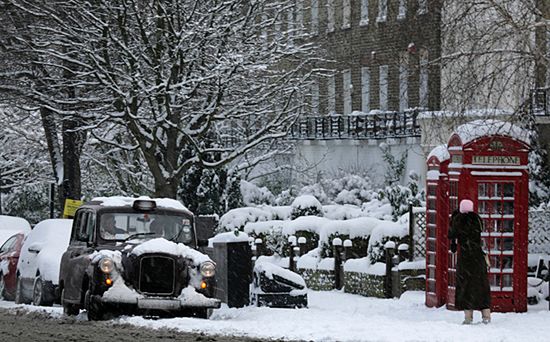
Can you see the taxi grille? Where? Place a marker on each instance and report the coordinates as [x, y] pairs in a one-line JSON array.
[[157, 275]]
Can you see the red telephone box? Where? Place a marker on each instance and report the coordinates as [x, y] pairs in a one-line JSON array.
[[437, 180], [488, 165]]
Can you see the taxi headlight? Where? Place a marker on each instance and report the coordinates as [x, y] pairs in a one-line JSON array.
[[208, 269], [106, 265]]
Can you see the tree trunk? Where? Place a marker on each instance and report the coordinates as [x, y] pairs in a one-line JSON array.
[[165, 188], [541, 45], [73, 140]]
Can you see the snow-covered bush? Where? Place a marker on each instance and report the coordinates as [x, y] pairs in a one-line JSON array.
[[285, 197], [316, 190], [306, 205], [400, 196], [253, 195]]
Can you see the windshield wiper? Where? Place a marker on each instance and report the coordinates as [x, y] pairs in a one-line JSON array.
[[139, 234]]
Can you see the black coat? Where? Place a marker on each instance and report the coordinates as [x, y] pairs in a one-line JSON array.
[[472, 284]]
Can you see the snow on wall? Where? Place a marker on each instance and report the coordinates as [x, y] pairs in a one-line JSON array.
[[329, 156]]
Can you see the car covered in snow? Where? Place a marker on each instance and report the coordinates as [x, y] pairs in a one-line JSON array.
[[37, 275], [9, 255], [136, 256], [10, 225]]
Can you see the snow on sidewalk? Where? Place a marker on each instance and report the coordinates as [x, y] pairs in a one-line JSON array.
[[337, 316]]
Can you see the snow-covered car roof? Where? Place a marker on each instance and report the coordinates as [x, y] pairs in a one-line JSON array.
[[11, 225], [121, 201]]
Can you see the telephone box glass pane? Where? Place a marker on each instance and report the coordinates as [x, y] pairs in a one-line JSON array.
[[482, 190], [507, 282], [507, 262], [507, 226], [483, 207], [508, 190], [431, 259], [508, 208]]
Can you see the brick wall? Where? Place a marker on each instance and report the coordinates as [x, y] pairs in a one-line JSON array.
[[380, 43]]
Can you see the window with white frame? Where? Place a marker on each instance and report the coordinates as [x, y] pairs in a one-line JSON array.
[[422, 6], [331, 94], [402, 11], [382, 11], [383, 87], [314, 16], [315, 97], [364, 13], [347, 86], [365, 89], [346, 14], [403, 81], [423, 79], [330, 15]]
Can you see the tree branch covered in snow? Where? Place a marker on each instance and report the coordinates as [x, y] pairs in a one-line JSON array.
[[179, 79]]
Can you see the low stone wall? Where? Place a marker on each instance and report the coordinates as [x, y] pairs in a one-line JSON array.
[[319, 280], [408, 280], [364, 284]]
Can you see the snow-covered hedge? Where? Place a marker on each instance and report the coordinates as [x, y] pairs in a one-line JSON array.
[[306, 205]]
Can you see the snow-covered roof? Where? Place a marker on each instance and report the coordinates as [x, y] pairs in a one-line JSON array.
[[11, 225], [478, 128], [440, 152], [117, 201]]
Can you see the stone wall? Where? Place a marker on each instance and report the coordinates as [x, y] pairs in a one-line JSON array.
[[364, 284]]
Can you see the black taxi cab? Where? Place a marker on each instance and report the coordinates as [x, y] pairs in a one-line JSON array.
[[136, 256]]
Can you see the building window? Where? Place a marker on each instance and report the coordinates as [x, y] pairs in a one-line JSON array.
[[314, 17], [365, 89], [403, 81], [364, 13], [423, 79], [330, 15], [383, 88], [402, 11], [422, 6], [315, 97], [331, 94], [347, 91], [382, 11], [346, 14]]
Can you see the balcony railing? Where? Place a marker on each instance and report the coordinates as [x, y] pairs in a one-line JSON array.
[[363, 126]]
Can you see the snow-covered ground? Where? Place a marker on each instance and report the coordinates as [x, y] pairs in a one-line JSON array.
[[337, 316]]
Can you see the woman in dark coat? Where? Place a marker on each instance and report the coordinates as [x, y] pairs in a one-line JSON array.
[[472, 284]]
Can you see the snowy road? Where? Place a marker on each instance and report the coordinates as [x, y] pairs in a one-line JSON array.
[[336, 316]]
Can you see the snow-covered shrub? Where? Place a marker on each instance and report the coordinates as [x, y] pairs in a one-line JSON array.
[[347, 188], [315, 190], [358, 230], [306, 205], [236, 219], [400, 196], [252, 194], [285, 197], [384, 232]]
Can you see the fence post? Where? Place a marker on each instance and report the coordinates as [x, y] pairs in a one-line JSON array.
[[302, 243], [348, 244], [411, 232], [389, 250], [337, 249], [291, 245]]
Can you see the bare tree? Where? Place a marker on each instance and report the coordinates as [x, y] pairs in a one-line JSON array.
[[177, 78]]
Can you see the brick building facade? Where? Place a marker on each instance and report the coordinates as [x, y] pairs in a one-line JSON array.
[[383, 52]]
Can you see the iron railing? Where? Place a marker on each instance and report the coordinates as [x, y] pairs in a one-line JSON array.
[[362, 126]]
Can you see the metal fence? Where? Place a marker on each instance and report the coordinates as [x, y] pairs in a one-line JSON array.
[[539, 231], [361, 126], [418, 227]]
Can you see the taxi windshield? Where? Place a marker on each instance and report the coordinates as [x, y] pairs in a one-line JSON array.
[[126, 226]]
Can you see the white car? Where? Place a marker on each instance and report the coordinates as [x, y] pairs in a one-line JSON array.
[[11, 225], [38, 265]]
